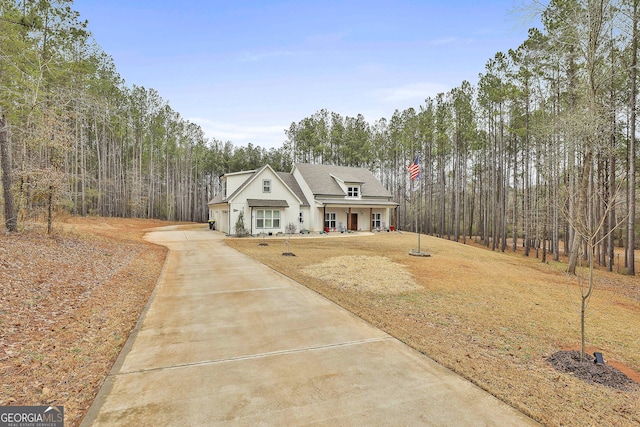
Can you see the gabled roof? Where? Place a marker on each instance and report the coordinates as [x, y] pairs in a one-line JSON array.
[[246, 183], [291, 182], [347, 179], [322, 180], [219, 198], [287, 180]]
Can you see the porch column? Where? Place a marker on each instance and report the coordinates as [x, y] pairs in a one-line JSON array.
[[324, 215], [395, 216], [370, 219]]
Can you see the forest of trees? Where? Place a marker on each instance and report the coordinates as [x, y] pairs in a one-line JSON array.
[[541, 153], [74, 136]]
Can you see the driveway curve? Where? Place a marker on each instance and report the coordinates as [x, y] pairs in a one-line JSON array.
[[225, 340]]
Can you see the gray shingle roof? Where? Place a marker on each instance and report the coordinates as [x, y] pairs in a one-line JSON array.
[[267, 203], [218, 198], [346, 178], [322, 181], [291, 182], [319, 179]]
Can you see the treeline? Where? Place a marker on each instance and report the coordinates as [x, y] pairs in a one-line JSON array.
[[74, 136], [541, 153]]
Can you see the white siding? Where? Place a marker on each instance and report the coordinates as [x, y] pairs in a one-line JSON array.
[[306, 223], [254, 190], [235, 180], [226, 215], [219, 214]]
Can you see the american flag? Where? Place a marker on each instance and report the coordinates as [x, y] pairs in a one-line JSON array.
[[414, 169]]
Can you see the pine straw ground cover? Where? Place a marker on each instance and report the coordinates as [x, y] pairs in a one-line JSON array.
[[67, 305], [494, 318]]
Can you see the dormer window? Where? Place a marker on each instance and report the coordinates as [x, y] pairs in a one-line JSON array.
[[266, 186], [353, 191]]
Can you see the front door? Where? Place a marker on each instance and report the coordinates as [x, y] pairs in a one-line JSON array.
[[353, 223]]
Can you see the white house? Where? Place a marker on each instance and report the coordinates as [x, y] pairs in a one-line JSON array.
[[312, 197]]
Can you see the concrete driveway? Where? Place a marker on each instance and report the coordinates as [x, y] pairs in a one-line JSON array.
[[228, 341]]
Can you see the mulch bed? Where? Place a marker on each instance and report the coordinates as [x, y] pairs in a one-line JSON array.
[[568, 361]]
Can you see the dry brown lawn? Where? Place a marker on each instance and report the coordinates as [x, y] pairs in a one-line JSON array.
[[69, 301], [492, 317]]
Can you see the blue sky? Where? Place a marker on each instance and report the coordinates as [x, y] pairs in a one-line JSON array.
[[244, 70]]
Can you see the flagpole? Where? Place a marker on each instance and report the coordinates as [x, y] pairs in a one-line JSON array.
[[419, 213], [414, 174], [412, 200], [418, 218], [411, 190]]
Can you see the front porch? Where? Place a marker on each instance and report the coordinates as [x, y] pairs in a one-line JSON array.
[[344, 218]]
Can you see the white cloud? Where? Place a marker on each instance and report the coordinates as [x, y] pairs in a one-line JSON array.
[[410, 92], [267, 136]]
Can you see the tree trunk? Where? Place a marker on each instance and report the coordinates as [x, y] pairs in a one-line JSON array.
[[10, 217], [581, 209], [631, 226], [50, 210]]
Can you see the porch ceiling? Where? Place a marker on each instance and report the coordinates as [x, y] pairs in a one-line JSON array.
[[360, 203]]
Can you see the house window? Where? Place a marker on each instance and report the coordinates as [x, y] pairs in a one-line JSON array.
[[353, 191], [330, 220], [376, 220], [267, 218], [266, 186]]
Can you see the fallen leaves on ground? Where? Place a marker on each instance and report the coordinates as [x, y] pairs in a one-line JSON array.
[[67, 305]]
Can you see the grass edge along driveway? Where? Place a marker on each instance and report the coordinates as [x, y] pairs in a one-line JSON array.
[[492, 317]]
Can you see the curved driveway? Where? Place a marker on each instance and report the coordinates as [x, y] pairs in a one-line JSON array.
[[228, 341]]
